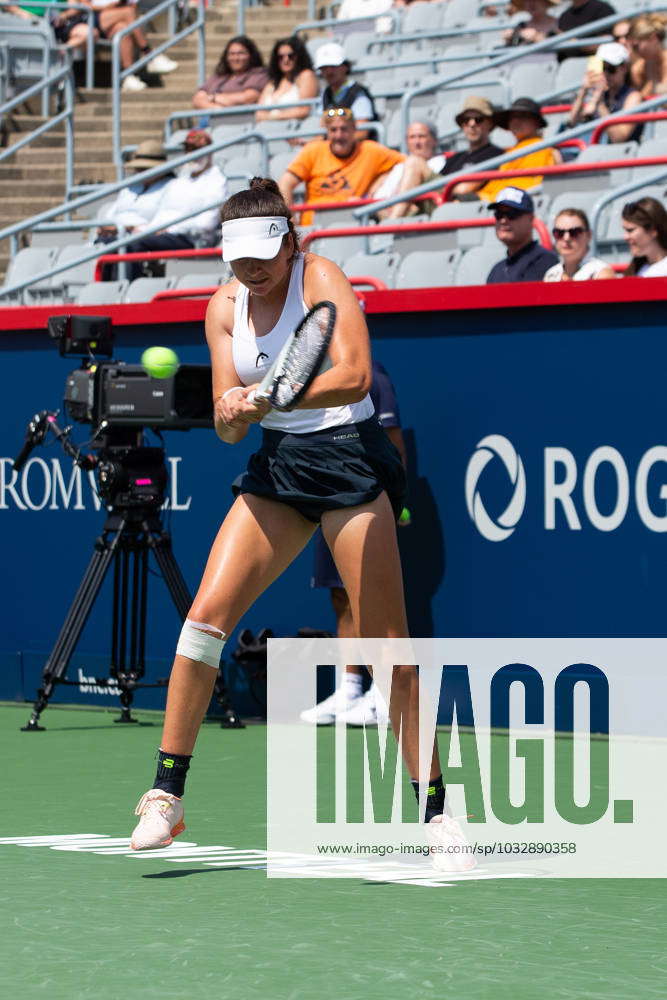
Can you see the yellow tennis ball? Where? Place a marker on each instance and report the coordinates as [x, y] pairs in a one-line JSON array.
[[160, 362]]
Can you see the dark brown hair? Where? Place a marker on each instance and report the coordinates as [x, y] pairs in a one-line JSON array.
[[262, 198], [649, 214], [222, 69], [302, 59]]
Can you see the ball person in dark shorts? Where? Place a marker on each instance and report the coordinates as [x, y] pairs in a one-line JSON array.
[[326, 462], [349, 703]]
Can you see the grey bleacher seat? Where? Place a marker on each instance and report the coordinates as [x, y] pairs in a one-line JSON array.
[[175, 141], [535, 76], [53, 238], [176, 267], [606, 151], [475, 264], [101, 293], [568, 78], [67, 284], [461, 238], [279, 163], [30, 51], [198, 279], [245, 160], [143, 289], [428, 269], [422, 16], [355, 44], [379, 265], [95, 209], [339, 248], [569, 199], [651, 147], [31, 260], [456, 13]]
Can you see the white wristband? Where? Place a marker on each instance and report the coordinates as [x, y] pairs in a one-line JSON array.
[[233, 389]]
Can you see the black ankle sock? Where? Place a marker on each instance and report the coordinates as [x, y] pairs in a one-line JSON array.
[[435, 797], [172, 769]]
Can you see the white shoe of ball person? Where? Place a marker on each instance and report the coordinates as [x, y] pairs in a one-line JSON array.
[[450, 850], [362, 711], [327, 711], [161, 820]]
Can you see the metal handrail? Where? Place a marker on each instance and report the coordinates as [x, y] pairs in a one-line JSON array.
[[90, 40], [396, 228], [330, 22], [66, 116], [619, 192], [496, 161], [239, 109], [118, 74]]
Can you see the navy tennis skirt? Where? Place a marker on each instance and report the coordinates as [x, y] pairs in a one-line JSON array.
[[326, 470]]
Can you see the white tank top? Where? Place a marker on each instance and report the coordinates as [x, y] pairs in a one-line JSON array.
[[253, 356]]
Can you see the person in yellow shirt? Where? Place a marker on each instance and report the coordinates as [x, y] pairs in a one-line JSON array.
[[341, 167], [524, 120]]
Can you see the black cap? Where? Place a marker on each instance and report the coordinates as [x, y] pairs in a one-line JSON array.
[[523, 105]]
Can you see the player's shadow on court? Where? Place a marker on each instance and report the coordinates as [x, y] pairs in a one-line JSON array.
[[422, 546], [203, 871]]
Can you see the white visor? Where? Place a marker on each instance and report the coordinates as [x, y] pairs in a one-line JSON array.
[[260, 237]]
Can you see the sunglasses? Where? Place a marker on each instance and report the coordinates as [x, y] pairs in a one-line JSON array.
[[608, 68], [338, 113], [574, 233], [506, 213], [620, 38], [286, 55], [475, 119]]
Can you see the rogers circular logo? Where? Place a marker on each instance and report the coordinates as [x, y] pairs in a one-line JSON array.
[[495, 446]]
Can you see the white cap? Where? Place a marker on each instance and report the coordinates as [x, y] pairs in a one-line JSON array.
[[253, 237], [331, 54], [613, 53]]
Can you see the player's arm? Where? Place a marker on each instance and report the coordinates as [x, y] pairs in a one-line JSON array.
[[232, 413], [349, 378]]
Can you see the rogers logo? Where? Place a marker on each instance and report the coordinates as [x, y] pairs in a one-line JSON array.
[[495, 446]]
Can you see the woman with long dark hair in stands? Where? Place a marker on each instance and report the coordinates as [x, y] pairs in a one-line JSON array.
[[326, 462], [645, 230], [238, 78], [291, 77]]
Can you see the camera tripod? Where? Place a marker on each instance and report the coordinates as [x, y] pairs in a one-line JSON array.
[[132, 530]]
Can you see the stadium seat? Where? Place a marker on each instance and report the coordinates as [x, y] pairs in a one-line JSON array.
[[428, 269], [568, 78], [176, 267], [279, 163], [143, 289], [53, 238], [456, 13], [535, 76], [423, 16], [67, 284], [101, 293], [461, 238], [31, 260], [198, 279], [475, 264], [379, 265], [650, 147]]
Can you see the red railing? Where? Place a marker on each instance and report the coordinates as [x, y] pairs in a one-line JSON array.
[[184, 293], [555, 171], [324, 206], [113, 258], [418, 227], [639, 116]]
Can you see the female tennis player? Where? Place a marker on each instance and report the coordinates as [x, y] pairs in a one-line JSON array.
[[326, 462]]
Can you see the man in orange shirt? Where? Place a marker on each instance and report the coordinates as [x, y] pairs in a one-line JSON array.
[[341, 167], [524, 120]]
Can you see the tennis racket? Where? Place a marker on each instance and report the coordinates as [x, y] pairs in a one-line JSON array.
[[302, 358]]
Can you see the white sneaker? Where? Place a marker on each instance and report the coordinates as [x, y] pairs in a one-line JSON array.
[[132, 84], [161, 820], [362, 712], [328, 710], [161, 64], [450, 850]]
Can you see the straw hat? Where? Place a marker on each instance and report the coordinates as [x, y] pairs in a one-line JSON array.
[[149, 153]]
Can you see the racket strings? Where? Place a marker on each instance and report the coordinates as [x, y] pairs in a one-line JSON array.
[[304, 356]]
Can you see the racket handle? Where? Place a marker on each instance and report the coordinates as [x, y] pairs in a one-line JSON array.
[[255, 395]]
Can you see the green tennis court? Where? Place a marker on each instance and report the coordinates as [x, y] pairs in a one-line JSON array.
[[79, 924]]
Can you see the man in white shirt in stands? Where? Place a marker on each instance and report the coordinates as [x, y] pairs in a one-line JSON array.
[[200, 188]]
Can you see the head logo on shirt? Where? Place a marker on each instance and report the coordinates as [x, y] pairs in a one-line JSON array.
[[259, 358]]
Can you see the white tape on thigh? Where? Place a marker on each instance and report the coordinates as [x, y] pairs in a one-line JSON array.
[[198, 645]]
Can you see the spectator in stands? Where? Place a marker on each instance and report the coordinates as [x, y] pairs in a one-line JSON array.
[[649, 69], [239, 77], [200, 188], [340, 91], [291, 77], [606, 88], [526, 259], [621, 33], [341, 166], [572, 236], [581, 12], [524, 120], [645, 230], [476, 121], [71, 29], [112, 17], [136, 205], [537, 27], [422, 141]]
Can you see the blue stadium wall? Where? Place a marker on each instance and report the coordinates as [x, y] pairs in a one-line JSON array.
[[536, 426]]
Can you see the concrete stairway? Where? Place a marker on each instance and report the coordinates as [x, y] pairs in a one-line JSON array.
[[34, 179]]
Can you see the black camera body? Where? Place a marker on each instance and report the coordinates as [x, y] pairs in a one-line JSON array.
[[127, 396]]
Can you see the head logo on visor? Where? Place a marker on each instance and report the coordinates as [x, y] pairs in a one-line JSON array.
[[253, 237]]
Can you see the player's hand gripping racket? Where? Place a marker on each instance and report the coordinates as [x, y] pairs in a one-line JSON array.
[[302, 358]]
